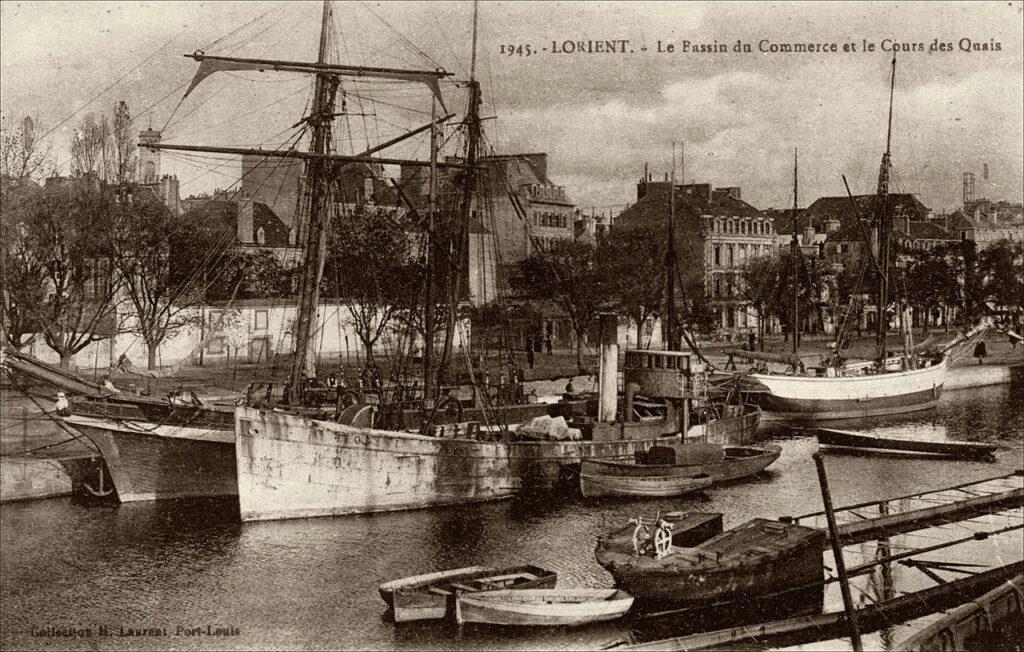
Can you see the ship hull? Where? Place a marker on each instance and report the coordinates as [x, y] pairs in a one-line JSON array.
[[294, 467], [150, 461], [812, 398]]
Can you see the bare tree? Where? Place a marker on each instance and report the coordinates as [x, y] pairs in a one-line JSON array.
[[22, 279], [22, 155], [162, 259], [124, 144], [68, 235], [89, 145]]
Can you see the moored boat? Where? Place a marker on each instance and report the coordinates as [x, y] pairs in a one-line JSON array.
[[542, 607], [387, 589], [838, 389], [158, 461], [687, 558], [719, 463], [432, 596], [851, 394], [859, 443], [651, 486]]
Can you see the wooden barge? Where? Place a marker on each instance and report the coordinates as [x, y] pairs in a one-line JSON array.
[[995, 621], [830, 625], [687, 558]]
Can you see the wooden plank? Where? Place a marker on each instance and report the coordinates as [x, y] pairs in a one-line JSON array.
[[875, 528], [874, 503]]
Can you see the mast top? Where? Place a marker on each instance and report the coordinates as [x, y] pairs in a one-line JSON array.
[[892, 87]]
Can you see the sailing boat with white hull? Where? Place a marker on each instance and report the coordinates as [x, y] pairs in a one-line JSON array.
[[887, 385]]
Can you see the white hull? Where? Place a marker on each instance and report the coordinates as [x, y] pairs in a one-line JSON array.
[[849, 397], [542, 607]]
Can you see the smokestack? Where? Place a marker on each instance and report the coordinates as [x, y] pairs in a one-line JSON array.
[[608, 383]]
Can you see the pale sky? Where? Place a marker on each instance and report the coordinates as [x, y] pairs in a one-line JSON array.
[[599, 116]]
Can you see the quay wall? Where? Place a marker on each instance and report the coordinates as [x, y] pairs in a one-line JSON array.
[[32, 478], [26, 478]]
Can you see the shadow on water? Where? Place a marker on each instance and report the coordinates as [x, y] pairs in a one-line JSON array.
[[651, 621]]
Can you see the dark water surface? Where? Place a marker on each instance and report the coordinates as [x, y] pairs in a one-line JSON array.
[[313, 583]]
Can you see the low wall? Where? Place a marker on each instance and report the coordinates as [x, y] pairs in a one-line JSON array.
[[982, 375], [29, 478]]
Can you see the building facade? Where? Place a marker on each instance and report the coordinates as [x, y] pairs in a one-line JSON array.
[[717, 235]]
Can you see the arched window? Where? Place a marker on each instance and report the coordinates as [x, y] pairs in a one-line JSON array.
[[261, 236]]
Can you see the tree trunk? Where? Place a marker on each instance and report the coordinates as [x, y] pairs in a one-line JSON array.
[[151, 354], [927, 314], [65, 359], [579, 351]]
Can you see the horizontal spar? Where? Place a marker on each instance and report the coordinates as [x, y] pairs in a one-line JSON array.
[[340, 158]]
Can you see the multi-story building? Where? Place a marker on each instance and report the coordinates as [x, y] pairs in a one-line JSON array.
[[986, 223], [717, 234]]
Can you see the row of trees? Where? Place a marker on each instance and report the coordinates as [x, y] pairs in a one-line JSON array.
[[84, 260], [954, 275], [625, 273]]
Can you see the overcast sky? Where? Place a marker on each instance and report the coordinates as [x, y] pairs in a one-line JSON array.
[[599, 116]]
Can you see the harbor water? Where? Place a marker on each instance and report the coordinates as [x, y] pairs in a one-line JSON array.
[[188, 575]]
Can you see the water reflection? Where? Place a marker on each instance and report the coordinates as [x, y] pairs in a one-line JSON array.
[[313, 583]]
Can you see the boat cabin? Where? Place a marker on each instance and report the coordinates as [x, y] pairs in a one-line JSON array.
[[662, 374]]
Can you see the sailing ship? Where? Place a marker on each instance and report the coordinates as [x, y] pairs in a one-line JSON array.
[[899, 384], [153, 448], [298, 465]]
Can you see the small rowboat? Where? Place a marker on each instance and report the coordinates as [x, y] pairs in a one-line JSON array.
[[547, 607], [601, 485], [854, 442], [387, 589], [432, 596], [721, 463]]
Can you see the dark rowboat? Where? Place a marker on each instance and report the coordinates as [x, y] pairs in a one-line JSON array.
[[686, 558], [720, 463], [958, 450], [542, 607], [432, 596]]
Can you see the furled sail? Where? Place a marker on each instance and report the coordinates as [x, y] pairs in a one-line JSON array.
[[210, 64]]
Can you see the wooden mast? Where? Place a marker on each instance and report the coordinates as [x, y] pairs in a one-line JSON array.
[[460, 245], [320, 119], [429, 373], [884, 228], [672, 343], [794, 254]]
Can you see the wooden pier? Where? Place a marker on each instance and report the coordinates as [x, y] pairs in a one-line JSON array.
[[924, 509]]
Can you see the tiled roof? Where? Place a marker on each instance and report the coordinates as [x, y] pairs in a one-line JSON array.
[[839, 208]]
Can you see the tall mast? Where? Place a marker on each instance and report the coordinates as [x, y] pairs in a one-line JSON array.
[[429, 374], [794, 254], [454, 273], [884, 228], [670, 262], [304, 360]]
